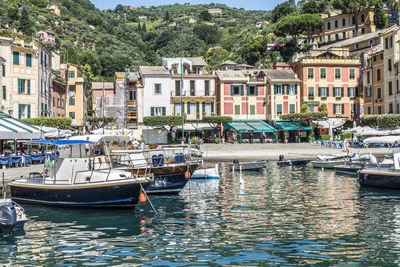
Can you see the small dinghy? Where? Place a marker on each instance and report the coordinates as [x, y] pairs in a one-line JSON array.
[[12, 216], [206, 171], [282, 162], [256, 165]]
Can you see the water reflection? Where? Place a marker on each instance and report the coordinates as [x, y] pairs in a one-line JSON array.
[[285, 216]]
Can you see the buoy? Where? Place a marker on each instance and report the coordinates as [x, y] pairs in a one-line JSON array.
[[142, 198], [187, 174]]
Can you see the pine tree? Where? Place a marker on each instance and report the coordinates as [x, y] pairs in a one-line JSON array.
[[380, 18], [144, 27], [25, 23], [138, 27], [167, 17]]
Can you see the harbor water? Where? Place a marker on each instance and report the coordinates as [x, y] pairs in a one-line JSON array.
[[284, 216]]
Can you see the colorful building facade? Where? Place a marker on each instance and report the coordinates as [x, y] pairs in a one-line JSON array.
[[240, 95], [76, 104], [331, 77]]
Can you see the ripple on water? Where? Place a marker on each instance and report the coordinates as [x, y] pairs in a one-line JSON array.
[[287, 216]]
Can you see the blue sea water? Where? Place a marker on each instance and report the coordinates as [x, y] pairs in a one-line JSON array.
[[287, 216]]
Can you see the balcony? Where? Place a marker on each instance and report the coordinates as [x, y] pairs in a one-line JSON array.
[[256, 80], [197, 96]]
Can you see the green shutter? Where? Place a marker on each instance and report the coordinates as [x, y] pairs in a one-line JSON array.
[[342, 108], [19, 111], [348, 91], [237, 109], [197, 107], [248, 90], [327, 91], [19, 86], [275, 89], [292, 108], [232, 91], [152, 111], [4, 92], [352, 73], [256, 90], [203, 104], [319, 91], [29, 60], [252, 109], [241, 89], [29, 111], [279, 108], [164, 110], [334, 92], [29, 86], [342, 92], [16, 58], [295, 88], [212, 107]]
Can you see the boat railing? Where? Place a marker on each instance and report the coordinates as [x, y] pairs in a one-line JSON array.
[[89, 178]]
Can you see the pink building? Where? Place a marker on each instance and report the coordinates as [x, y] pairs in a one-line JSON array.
[[97, 89]]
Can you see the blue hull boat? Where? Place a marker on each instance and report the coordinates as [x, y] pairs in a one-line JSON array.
[[292, 162]]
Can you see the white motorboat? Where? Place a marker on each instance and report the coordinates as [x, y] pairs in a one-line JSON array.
[[206, 171], [12, 216]]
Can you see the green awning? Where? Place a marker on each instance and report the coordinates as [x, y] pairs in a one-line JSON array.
[[291, 126], [255, 126], [11, 128]]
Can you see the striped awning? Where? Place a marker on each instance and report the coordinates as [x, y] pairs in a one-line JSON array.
[[244, 126], [13, 129]]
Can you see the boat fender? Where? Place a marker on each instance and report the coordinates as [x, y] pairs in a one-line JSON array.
[[142, 198], [187, 174]]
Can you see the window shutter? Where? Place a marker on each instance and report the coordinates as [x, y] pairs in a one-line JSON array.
[[29, 86], [203, 104], [232, 91], [19, 86], [164, 109], [319, 91], [287, 88], [152, 111], [334, 91], [348, 91], [197, 107], [19, 111], [356, 89], [256, 90], [29, 111], [342, 92], [342, 108], [242, 89], [212, 107], [295, 88], [327, 91], [275, 89], [248, 89]]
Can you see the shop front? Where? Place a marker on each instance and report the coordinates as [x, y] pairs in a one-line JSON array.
[[292, 132], [249, 131]]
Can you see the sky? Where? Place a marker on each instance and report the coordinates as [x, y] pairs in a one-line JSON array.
[[246, 4]]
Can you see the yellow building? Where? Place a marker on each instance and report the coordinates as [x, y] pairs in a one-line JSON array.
[[338, 26], [390, 69], [76, 104], [282, 93]]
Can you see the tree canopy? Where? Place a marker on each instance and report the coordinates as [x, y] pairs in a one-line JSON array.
[[167, 123], [282, 10], [304, 118], [380, 18]]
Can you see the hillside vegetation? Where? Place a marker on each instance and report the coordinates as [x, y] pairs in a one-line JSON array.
[[103, 42]]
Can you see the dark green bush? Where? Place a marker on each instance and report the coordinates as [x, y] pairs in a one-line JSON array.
[[54, 122]]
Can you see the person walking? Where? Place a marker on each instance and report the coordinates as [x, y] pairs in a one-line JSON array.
[[198, 143], [142, 145]]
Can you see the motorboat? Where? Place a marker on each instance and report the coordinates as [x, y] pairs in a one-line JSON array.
[[12, 216], [330, 161], [206, 171], [78, 180], [386, 177], [256, 165], [364, 161]]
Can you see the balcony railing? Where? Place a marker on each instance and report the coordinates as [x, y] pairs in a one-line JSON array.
[[187, 94]]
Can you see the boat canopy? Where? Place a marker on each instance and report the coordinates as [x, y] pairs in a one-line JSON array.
[[291, 126], [390, 139], [245, 126], [61, 142], [101, 138]]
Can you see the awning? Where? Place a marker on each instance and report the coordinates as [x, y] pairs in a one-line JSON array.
[[244, 126], [12, 129], [195, 127], [382, 139], [330, 123], [291, 126]]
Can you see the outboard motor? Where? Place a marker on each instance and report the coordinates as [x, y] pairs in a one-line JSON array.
[[8, 218], [281, 158]]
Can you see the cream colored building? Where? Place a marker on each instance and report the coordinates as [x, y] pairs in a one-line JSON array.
[[76, 101], [338, 26]]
